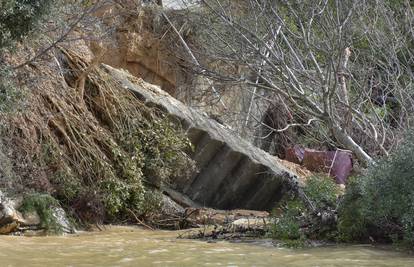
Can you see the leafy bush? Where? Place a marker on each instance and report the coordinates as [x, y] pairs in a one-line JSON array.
[[321, 191], [287, 225], [388, 193], [298, 221], [381, 204], [19, 17], [43, 205], [10, 93], [352, 224]]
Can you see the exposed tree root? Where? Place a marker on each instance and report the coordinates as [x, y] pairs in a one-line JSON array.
[[91, 144]]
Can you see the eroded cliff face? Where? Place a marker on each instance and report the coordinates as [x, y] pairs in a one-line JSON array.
[[83, 134], [143, 42], [232, 172], [134, 45]]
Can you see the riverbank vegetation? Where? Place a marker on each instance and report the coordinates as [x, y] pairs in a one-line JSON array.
[[340, 71], [73, 135], [297, 220], [379, 205], [375, 208], [331, 75]]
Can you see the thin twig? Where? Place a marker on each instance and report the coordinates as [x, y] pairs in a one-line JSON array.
[[60, 39], [139, 221], [193, 58]]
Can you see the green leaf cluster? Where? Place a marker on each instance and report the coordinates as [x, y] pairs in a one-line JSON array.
[[43, 205], [380, 204], [19, 17]]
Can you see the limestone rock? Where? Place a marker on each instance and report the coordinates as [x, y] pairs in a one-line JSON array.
[[11, 220], [169, 206], [9, 228], [31, 219], [62, 220], [10, 217]]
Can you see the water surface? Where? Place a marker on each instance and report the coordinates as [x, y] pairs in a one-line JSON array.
[[129, 246]]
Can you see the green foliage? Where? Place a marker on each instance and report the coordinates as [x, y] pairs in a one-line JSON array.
[[43, 205], [352, 225], [321, 191], [19, 17], [388, 193], [287, 225], [151, 203], [163, 151], [297, 222], [115, 193], [381, 204], [10, 94]]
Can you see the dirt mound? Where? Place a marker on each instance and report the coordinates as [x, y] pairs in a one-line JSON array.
[[299, 170]]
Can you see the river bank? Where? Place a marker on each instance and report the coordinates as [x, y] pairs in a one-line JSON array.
[[129, 246]]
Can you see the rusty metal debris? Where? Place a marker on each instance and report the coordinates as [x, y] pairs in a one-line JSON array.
[[337, 164]]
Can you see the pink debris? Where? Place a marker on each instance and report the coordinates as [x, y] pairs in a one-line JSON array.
[[295, 154], [337, 164]]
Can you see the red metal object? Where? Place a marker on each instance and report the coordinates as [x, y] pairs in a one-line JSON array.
[[337, 164], [294, 154]]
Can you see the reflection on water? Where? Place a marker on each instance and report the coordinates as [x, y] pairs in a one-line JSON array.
[[128, 246]]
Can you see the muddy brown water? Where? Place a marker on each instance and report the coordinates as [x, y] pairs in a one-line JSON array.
[[129, 246]]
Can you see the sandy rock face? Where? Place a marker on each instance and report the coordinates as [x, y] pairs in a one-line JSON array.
[[10, 217], [133, 45]]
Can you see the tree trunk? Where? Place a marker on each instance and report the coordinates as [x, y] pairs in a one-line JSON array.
[[350, 144]]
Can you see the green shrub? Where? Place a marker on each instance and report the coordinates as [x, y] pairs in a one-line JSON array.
[[298, 221], [43, 205], [151, 203], [11, 96], [19, 17], [286, 226], [388, 193], [352, 225], [382, 202], [321, 191]]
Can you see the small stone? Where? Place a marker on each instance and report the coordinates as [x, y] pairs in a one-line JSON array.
[[30, 219], [8, 228], [63, 221]]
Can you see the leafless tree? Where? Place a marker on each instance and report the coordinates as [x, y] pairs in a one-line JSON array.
[[344, 64]]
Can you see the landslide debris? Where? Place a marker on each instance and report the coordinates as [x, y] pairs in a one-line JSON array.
[[87, 142]]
